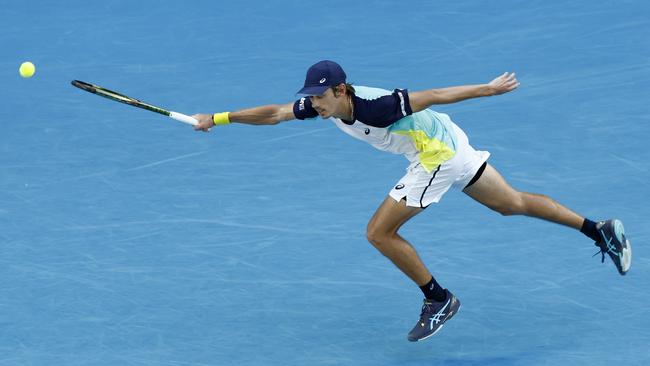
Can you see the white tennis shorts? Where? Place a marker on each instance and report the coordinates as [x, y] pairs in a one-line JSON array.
[[421, 188]]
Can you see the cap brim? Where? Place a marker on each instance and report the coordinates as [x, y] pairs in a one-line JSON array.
[[313, 90]]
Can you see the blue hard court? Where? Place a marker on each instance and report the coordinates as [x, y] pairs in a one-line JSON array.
[[129, 239]]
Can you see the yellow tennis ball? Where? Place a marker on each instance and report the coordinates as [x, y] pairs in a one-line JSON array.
[[27, 69]]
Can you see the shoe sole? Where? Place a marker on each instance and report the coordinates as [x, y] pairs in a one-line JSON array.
[[626, 246], [626, 260]]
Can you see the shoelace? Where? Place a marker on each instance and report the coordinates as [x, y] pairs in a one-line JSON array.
[[423, 315], [602, 253], [610, 247]]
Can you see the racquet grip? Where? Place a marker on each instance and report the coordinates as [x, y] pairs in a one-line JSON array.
[[183, 118]]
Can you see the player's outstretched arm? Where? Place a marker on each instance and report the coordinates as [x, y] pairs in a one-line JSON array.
[[423, 99], [263, 115]]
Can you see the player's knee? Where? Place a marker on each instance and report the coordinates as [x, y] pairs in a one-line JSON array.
[[377, 236], [514, 205], [506, 211], [373, 236]]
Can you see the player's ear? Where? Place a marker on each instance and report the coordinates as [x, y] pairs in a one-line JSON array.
[[339, 90]]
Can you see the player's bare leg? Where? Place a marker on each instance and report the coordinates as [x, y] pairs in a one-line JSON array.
[[440, 305], [382, 234], [494, 192]]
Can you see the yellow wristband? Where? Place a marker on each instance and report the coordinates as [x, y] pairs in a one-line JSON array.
[[222, 118]]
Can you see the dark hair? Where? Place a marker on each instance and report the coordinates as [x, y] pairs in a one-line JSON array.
[[349, 89]]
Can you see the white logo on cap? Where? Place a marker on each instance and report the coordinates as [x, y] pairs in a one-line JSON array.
[[322, 80]]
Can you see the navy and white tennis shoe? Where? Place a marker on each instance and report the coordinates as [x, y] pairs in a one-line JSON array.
[[614, 243], [433, 316]]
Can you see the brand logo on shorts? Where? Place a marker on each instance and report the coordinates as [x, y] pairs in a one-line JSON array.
[[399, 186], [366, 131]]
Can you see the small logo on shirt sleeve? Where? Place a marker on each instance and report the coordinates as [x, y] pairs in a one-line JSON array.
[[401, 102], [301, 104]]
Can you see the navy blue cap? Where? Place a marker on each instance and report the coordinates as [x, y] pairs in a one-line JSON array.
[[321, 76]]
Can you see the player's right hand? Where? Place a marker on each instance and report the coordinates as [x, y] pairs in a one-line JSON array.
[[205, 122]]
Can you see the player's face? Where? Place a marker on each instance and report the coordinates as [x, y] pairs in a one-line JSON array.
[[327, 104]]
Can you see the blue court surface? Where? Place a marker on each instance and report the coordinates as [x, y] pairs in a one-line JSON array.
[[129, 239]]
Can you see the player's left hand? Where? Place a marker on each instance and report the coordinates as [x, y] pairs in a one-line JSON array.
[[504, 83], [205, 122]]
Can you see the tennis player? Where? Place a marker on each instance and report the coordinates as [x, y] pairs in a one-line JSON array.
[[440, 157]]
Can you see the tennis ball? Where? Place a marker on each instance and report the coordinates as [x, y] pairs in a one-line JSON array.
[[27, 69]]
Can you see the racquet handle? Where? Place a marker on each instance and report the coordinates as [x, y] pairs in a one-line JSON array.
[[183, 118]]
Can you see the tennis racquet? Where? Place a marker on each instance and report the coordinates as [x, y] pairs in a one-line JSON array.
[[132, 101]]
